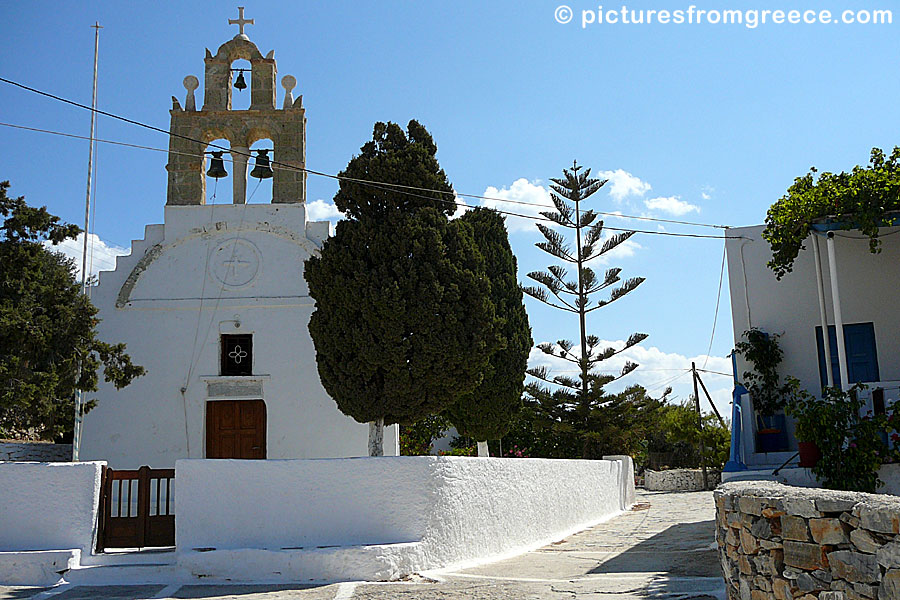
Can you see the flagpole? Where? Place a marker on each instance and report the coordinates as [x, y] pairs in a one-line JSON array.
[[79, 395]]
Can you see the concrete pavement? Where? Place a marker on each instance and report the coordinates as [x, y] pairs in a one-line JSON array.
[[663, 549]]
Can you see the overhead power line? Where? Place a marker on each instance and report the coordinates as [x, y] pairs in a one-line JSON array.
[[276, 166], [395, 187]]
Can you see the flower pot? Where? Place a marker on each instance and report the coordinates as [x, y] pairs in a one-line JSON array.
[[770, 433], [809, 454], [768, 440]]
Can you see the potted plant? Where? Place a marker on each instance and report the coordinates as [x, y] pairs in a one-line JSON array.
[[853, 446], [769, 396], [806, 410]]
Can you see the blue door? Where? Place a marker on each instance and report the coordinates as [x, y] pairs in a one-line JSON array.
[[862, 355]]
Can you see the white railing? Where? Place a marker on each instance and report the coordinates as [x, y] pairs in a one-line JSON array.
[[889, 392]]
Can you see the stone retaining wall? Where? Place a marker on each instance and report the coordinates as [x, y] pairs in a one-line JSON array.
[[779, 542], [35, 451], [679, 480]]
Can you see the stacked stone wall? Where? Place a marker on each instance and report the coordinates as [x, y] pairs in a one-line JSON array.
[[35, 451], [779, 542], [679, 480]]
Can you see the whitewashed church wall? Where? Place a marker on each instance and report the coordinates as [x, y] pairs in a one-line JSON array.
[[388, 516], [178, 307], [790, 307], [49, 506]]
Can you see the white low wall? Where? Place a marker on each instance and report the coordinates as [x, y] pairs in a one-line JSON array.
[[275, 504], [626, 479], [41, 567], [48, 506], [381, 518], [889, 474]]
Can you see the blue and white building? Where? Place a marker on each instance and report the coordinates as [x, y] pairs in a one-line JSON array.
[[837, 285]]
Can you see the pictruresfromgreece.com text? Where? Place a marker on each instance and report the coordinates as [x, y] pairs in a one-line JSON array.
[[749, 18]]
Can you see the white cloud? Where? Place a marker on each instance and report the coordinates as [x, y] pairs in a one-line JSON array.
[[322, 210], [521, 190], [672, 205], [657, 370], [705, 196], [626, 249], [623, 184], [101, 255], [462, 206]]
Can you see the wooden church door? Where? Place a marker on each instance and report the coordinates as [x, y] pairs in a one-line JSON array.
[[236, 429]]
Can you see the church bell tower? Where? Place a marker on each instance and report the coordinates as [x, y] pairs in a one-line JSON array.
[[284, 127]]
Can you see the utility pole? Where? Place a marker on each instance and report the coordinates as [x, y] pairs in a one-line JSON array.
[[700, 427], [711, 403], [79, 395]]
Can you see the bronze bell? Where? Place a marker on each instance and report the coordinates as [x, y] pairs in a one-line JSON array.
[[262, 170], [239, 83], [217, 166]]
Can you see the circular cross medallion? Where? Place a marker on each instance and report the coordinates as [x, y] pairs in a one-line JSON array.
[[234, 263]]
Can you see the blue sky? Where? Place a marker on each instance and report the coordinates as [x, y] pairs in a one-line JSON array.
[[706, 123]]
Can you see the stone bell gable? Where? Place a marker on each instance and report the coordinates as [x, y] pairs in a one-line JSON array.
[[285, 127]]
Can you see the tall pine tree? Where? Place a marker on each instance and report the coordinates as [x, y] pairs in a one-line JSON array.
[[579, 406]]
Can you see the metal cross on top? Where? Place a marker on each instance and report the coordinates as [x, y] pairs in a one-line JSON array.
[[241, 21]]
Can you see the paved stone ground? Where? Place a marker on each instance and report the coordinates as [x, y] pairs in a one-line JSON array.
[[664, 549]]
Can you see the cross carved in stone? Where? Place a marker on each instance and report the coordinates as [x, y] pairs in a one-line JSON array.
[[241, 21], [234, 264]]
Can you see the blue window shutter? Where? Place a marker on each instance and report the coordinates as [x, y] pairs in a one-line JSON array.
[[862, 357], [862, 354]]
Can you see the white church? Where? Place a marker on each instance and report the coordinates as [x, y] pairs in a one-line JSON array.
[[213, 302]]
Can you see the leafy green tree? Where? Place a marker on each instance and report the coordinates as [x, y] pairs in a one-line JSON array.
[[47, 327], [679, 421], [418, 438], [403, 319], [866, 199], [488, 411], [579, 406], [633, 418]]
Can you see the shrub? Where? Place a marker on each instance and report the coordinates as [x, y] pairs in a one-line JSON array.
[[853, 448]]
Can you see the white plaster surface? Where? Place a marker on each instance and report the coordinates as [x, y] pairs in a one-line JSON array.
[[188, 290], [868, 293], [802, 477], [386, 516], [626, 475], [48, 506], [890, 475], [42, 567], [277, 504]]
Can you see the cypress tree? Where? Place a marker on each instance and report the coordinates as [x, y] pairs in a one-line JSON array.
[[489, 410], [402, 325]]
